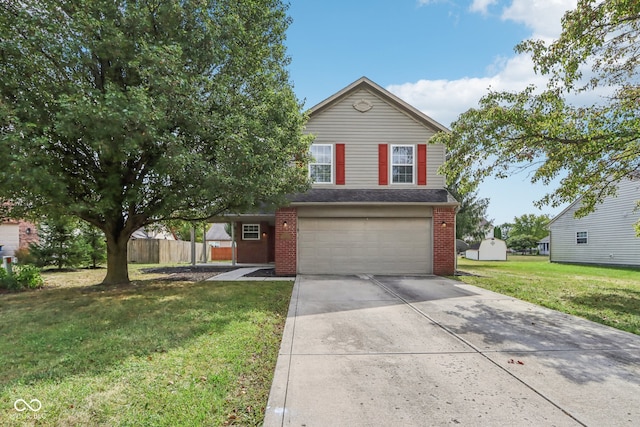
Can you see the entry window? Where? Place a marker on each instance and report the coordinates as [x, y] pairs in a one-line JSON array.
[[250, 231], [321, 165], [402, 166], [582, 238]]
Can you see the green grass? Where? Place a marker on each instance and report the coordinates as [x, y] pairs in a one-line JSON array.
[[606, 295], [155, 353]]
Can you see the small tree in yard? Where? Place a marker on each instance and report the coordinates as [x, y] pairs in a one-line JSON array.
[[497, 232], [471, 211], [535, 226], [127, 113], [95, 248], [60, 244], [522, 243]]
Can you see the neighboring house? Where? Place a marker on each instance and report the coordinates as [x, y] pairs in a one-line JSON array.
[[157, 233], [16, 234], [377, 204], [543, 246], [488, 250], [217, 236], [488, 228], [219, 242], [605, 236], [485, 228]]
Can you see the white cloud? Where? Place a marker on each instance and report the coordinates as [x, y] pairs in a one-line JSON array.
[[445, 100], [541, 16], [481, 6]]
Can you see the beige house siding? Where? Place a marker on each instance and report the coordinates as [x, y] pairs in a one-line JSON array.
[[9, 238], [611, 237], [363, 132]]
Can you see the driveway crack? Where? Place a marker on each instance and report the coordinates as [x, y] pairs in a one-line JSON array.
[[475, 349]]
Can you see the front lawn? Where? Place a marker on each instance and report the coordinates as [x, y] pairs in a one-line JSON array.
[[606, 295], [158, 352]]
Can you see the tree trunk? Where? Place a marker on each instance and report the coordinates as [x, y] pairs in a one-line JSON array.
[[117, 267]]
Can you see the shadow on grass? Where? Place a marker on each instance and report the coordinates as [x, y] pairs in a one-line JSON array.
[[55, 333], [621, 303]]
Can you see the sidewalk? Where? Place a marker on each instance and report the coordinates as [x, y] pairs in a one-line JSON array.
[[240, 273]]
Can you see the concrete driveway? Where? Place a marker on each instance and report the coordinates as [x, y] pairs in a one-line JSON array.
[[428, 351]]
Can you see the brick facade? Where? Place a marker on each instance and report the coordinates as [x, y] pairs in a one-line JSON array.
[[253, 251], [28, 234], [444, 241], [286, 241]]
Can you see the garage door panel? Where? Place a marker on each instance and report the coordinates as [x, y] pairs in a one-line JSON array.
[[362, 245]]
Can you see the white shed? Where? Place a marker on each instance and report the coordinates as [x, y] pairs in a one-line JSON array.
[[490, 250]]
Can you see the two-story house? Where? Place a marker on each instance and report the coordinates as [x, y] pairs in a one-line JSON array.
[[605, 237], [377, 204]]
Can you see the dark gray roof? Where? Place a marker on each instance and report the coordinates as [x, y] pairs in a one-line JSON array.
[[339, 195], [218, 232]]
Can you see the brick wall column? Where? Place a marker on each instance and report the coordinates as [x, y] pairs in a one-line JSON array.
[[286, 241], [444, 241]]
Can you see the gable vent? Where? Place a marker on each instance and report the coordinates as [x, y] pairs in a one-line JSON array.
[[363, 106]]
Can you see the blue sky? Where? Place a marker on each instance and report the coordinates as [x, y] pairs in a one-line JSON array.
[[440, 56]]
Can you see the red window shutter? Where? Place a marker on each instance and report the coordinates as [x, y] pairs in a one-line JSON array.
[[383, 164], [422, 164], [339, 164]]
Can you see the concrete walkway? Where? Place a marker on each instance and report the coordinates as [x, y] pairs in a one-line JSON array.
[[240, 273], [428, 351], [235, 274]]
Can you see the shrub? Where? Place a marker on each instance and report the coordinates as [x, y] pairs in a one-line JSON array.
[[26, 276], [8, 281], [24, 256], [29, 276]]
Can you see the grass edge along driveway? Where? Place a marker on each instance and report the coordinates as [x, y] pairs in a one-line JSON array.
[[607, 295], [153, 353]]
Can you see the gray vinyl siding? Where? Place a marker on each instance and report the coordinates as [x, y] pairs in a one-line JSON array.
[[611, 235], [363, 132]]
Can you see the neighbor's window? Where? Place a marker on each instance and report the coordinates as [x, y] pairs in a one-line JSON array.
[[250, 231], [321, 165], [581, 238], [402, 164]]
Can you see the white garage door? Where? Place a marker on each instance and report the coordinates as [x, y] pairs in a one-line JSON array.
[[364, 245]]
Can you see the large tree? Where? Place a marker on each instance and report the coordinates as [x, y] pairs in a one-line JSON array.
[[532, 225], [591, 148], [125, 113], [471, 225]]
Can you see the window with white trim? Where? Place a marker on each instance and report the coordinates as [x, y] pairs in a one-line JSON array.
[[402, 164], [250, 231], [582, 238], [321, 165]]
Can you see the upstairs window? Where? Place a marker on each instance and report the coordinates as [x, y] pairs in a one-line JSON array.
[[582, 238], [321, 165], [402, 164]]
